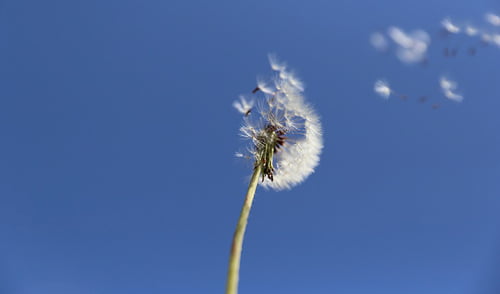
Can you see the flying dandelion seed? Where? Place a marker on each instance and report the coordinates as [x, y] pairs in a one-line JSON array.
[[446, 83], [471, 31], [382, 88], [400, 37], [495, 39], [411, 48], [486, 38], [243, 106], [379, 41], [448, 87], [450, 27], [493, 19]]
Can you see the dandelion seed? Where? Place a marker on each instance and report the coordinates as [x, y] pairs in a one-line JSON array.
[[453, 96], [495, 39], [446, 83], [399, 37], [382, 88], [471, 31], [264, 86], [411, 47], [448, 87], [276, 65], [449, 27], [493, 19], [243, 106], [286, 137], [379, 42]]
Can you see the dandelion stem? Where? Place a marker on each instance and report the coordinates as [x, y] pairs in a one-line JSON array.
[[237, 244]]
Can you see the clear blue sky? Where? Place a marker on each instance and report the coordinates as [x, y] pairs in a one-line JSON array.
[[117, 136]]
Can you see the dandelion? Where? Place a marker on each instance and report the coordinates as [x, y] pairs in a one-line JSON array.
[[448, 87], [382, 88], [286, 143]]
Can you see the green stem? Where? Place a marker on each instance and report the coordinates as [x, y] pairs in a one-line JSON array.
[[236, 246]]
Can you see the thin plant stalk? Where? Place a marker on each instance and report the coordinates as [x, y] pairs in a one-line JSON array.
[[237, 244]]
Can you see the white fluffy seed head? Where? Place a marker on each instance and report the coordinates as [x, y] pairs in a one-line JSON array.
[[286, 134]]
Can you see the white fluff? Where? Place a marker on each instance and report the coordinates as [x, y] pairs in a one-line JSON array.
[[471, 31], [284, 105], [449, 26], [448, 87], [243, 106], [382, 88], [379, 41], [411, 48], [493, 19]]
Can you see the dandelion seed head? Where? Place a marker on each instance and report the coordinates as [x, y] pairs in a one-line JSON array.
[[449, 26], [382, 88], [286, 136]]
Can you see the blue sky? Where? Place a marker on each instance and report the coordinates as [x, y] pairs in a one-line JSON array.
[[117, 172]]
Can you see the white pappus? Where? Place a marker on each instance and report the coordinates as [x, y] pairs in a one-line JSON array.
[[285, 131]]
